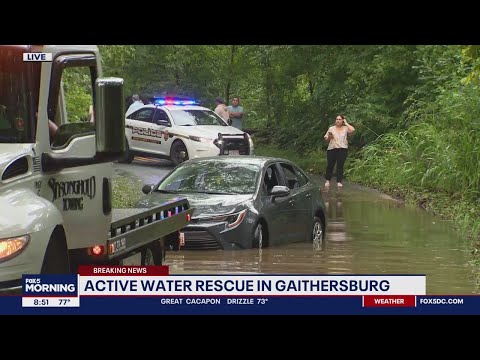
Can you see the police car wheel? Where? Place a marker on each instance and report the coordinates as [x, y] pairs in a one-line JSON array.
[[178, 152]]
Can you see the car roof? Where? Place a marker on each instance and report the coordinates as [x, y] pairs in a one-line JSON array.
[[176, 107], [242, 159]]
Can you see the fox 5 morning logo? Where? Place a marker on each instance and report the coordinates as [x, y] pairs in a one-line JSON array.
[[37, 56], [50, 285]]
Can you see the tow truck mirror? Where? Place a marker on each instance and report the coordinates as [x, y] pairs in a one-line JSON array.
[[110, 118]]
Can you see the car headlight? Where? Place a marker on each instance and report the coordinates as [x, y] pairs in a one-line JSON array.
[[11, 247], [200, 139], [231, 220]]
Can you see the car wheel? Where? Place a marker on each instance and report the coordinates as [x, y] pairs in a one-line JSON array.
[[178, 153], [317, 234], [259, 238]]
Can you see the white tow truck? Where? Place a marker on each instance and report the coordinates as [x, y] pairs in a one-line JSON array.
[[56, 186]]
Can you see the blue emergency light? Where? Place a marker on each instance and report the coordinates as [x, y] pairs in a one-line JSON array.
[[175, 101]]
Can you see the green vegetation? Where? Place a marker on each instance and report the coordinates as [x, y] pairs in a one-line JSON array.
[[415, 108], [125, 192]]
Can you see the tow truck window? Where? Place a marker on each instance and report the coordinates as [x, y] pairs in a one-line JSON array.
[[72, 90], [19, 91]]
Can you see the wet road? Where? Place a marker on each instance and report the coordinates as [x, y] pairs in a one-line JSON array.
[[367, 233]]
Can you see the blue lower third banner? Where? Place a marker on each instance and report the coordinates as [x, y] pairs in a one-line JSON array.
[[251, 305], [136, 290]]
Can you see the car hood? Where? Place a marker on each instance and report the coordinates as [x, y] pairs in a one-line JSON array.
[[204, 204], [210, 131]]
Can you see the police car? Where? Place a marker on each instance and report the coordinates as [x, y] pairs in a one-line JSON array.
[[180, 129]]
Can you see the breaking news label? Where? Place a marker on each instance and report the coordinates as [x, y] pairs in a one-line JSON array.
[[152, 290]]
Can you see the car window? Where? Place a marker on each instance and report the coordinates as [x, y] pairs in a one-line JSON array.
[[270, 179], [160, 115], [291, 177], [302, 178], [143, 115], [212, 177], [196, 117]]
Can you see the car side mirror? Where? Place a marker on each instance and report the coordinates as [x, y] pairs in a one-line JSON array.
[[279, 191], [147, 189], [163, 122]]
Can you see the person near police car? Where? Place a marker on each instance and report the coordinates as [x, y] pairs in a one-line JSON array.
[[337, 150], [222, 110], [236, 113], [137, 104]]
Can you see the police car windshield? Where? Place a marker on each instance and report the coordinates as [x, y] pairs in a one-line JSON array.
[[196, 117]]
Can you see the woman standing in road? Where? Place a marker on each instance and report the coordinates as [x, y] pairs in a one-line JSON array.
[[337, 150]]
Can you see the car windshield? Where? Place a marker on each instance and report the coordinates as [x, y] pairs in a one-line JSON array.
[[196, 117], [19, 89], [212, 178]]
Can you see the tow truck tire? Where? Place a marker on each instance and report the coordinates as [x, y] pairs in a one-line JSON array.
[[153, 254], [177, 147], [56, 256]]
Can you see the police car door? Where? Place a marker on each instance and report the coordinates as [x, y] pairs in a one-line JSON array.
[[162, 125], [138, 129]]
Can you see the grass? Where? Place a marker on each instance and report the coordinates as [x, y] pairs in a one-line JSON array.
[[314, 162], [426, 173], [125, 192]]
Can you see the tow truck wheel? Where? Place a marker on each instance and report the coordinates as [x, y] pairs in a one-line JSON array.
[[153, 254], [56, 256], [178, 152]]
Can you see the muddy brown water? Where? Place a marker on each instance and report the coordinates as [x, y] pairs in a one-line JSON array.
[[367, 233]]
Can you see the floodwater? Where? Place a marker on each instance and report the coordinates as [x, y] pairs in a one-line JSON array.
[[367, 233]]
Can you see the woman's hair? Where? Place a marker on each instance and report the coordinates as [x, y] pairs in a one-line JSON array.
[[341, 115]]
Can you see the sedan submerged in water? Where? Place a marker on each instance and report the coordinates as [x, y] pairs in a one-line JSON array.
[[243, 202]]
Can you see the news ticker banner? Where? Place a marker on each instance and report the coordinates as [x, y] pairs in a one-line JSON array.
[[130, 290]]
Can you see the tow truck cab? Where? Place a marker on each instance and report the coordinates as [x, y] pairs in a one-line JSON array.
[[56, 172]]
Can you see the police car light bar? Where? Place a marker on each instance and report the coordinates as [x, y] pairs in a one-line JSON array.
[[175, 101]]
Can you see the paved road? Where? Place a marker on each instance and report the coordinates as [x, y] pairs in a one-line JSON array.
[[150, 171]]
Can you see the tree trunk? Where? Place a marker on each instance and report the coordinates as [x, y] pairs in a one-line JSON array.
[[231, 73]]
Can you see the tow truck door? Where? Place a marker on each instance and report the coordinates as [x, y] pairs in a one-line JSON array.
[[81, 193]]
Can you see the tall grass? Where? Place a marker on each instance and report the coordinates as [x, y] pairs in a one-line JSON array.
[[312, 162], [435, 162]]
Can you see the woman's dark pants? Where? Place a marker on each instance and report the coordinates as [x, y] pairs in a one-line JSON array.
[[336, 156]]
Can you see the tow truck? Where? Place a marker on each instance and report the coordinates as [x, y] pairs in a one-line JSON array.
[[56, 175]]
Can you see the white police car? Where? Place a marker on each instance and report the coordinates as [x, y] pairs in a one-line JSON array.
[[178, 129]]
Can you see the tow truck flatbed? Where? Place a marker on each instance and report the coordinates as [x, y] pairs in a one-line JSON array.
[[132, 228]]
